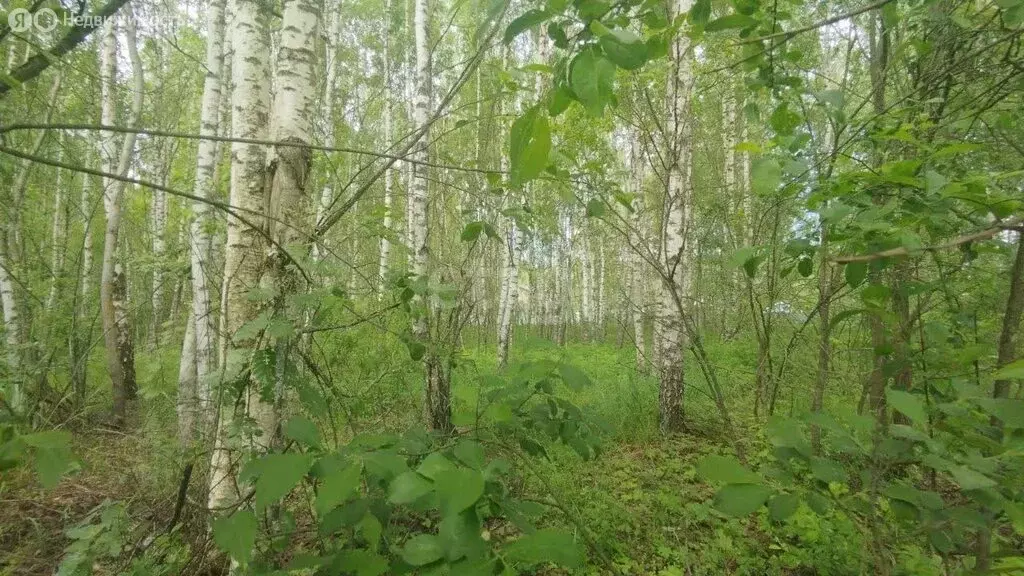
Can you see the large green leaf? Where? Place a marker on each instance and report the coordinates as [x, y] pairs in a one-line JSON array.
[[624, 48], [434, 464], [909, 404], [277, 475], [236, 534], [530, 144], [741, 499], [855, 272], [970, 479], [51, 454], [459, 488], [408, 487], [725, 469], [592, 77], [459, 535], [422, 549], [783, 506], [573, 377], [730, 21], [302, 430], [1012, 371], [547, 545], [1008, 410], [338, 486], [528, 20], [362, 562]]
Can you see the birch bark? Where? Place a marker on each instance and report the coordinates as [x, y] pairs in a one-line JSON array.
[[113, 284], [195, 382], [672, 339]]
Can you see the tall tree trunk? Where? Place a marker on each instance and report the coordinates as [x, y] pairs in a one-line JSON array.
[[80, 335], [56, 252], [194, 384], [437, 404], [385, 238], [10, 239], [113, 284], [245, 254], [637, 283], [671, 329], [330, 81], [1011, 321]]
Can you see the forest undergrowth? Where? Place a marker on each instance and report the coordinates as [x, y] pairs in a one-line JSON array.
[[640, 503]]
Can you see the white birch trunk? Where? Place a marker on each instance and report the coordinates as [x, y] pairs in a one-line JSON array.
[[113, 286], [245, 253], [327, 192], [385, 240], [672, 339], [638, 284], [194, 388]]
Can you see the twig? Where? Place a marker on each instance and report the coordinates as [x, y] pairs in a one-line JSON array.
[[985, 234]]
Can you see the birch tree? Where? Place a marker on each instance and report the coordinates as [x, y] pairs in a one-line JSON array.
[[194, 390], [113, 284], [245, 253], [671, 322]]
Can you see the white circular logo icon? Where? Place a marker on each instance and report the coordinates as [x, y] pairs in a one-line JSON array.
[[45, 20], [20, 20]]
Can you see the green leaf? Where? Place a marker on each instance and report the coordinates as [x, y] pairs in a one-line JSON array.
[[624, 48], [51, 454], [730, 21], [700, 12], [408, 488], [591, 77], [827, 470], [459, 535], [750, 266], [434, 464], [805, 267], [908, 404], [470, 453], [236, 534], [573, 377], [725, 469], [783, 506], [1008, 410], [559, 100], [362, 562], [302, 430], [765, 176], [1012, 371], [528, 20], [472, 231], [530, 142], [338, 486], [384, 464], [969, 479], [741, 499], [278, 474], [855, 273], [546, 545], [595, 208], [422, 549], [459, 489], [784, 120], [416, 350]]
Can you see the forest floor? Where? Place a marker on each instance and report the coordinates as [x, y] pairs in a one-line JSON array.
[[639, 504]]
